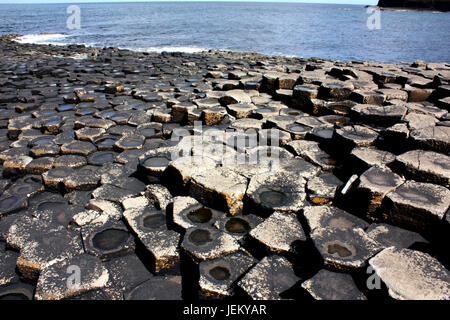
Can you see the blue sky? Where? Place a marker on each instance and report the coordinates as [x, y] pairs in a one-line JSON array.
[[371, 2]]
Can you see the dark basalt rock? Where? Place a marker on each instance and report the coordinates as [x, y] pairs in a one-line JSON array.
[[282, 191], [344, 250], [217, 276], [238, 226], [331, 217], [208, 243], [423, 277], [157, 288], [327, 285], [53, 285], [425, 166], [17, 291], [418, 205], [388, 235], [322, 189], [374, 185], [189, 213], [108, 240], [268, 279], [277, 234], [125, 273], [101, 157]]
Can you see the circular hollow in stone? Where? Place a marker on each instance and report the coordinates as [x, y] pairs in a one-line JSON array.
[[130, 143], [339, 249], [298, 128], [154, 221], [272, 198], [147, 132], [200, 215], [100, 158], [156, 162], [60, 172], [200, 237], [237, 225], [220, 273], [41, 141], [110, 239], [106, 142]]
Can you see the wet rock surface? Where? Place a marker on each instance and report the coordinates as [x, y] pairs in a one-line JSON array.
[[109, 170]]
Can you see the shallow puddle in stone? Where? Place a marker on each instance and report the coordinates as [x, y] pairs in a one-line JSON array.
[[154, 221], [148, 132], [339, 249], [237, 225], [23, 189], [324, 133], [272, 198], [52, 205], [41, 141], [156, 162], [59, 172], [298, 128], [7, 203], [200, 215], [107, 142], [65, 107], [200, 237], [52, 123], [131, 143], [220, 273], [110, 239], [103, 158]]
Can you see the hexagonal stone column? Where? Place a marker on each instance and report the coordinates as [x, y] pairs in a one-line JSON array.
[[157, 288], [322, 189], [54, 282], [283, 191], [268, 279], [418, 205], [412, 275], [222, 189], [374, 185], [327, 285], [331, 217], [388, 235], [218, 276], [345, 250], [108, 240], [150, 227], [425, 166], [277, 234], [208, 243]]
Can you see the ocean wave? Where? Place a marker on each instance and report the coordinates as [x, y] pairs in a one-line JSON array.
[[43, 38], [169, 49]]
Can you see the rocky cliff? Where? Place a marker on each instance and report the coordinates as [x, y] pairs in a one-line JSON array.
[[442, 5]]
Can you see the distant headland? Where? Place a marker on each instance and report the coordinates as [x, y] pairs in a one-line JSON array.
[[437, 5]]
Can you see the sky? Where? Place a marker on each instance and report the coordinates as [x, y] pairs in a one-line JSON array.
[[365, 2]]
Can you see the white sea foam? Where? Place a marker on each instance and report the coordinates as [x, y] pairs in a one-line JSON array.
[[169, 49], [43, 38]]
